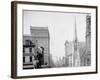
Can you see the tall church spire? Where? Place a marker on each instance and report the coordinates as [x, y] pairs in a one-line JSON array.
[[75, 31], [76, 60], [75, 36]]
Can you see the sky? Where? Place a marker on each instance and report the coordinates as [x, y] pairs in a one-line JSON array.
[[61, 27]]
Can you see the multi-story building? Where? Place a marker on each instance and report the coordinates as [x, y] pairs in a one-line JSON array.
[[28, 53], [86, 56], [88, 41], [39, 39], [40, 35], [68, 53]]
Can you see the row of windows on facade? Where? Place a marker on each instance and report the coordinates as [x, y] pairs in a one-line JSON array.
[[28, 50], [30, 59]]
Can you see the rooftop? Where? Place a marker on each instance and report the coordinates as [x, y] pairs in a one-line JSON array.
[[38, 28]]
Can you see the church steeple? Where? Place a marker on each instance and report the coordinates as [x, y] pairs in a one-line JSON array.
[[76, 61], [75, 31], [75, 35]]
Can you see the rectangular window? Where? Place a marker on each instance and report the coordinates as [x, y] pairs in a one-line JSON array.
[[23, 49], [30, 58], [23, 59], [27, 59], [33, 50], [26, 50], [30, 50]]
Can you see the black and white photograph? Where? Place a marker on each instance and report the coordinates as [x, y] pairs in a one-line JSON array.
[[56, 39], [53, 39]]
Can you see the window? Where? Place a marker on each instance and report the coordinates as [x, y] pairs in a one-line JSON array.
[[27, 59], [30, 50], [70, 61], [28, 42], [88, 62], [26, 50], [30, 58], [23, 49], [33, 50], [23, 59]]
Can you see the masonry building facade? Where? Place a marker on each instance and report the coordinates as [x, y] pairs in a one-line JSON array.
[[37, 41]]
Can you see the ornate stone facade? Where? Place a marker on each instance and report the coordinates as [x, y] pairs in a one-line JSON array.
[[39, 39], [88, 41], [79, 53], [40, 35]]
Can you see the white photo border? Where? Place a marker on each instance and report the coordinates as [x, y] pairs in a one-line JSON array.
[[41, 72]]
